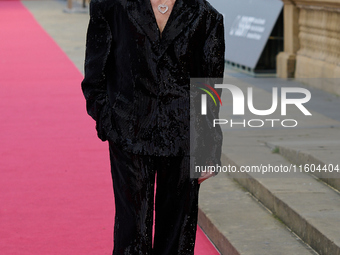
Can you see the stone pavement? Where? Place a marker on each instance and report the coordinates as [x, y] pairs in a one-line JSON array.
[[253, 213], [67, 29]]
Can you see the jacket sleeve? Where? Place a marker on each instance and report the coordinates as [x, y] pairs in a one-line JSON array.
[[98, 43], [214, 49]]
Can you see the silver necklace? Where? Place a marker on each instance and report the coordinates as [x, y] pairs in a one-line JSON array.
[[163, 8]]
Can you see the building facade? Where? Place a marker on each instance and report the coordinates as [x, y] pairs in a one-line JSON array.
[[312, 43]]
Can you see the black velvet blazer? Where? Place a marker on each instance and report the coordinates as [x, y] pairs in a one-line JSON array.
[[137, 80]]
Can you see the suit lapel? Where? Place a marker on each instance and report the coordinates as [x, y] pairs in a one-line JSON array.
[[141, 12], [182, 13]]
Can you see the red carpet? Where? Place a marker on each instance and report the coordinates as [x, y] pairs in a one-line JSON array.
[[55, 187]]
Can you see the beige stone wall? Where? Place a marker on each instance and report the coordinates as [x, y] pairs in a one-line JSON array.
[[312, 43]]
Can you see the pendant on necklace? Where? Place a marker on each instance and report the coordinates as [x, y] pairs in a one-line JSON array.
[[163, 8]]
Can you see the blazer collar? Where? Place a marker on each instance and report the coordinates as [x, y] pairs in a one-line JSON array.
[[181, 15]]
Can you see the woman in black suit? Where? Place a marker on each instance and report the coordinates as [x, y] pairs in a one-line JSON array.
[[140, 56]]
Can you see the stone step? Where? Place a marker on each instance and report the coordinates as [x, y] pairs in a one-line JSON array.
[[313, 154], [307, 206], [238, 224]]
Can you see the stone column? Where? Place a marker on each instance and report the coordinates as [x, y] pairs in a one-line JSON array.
[[69, 4], [286, 60], [318, 59]]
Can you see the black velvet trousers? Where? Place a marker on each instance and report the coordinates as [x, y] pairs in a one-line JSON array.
[[176, 204]]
